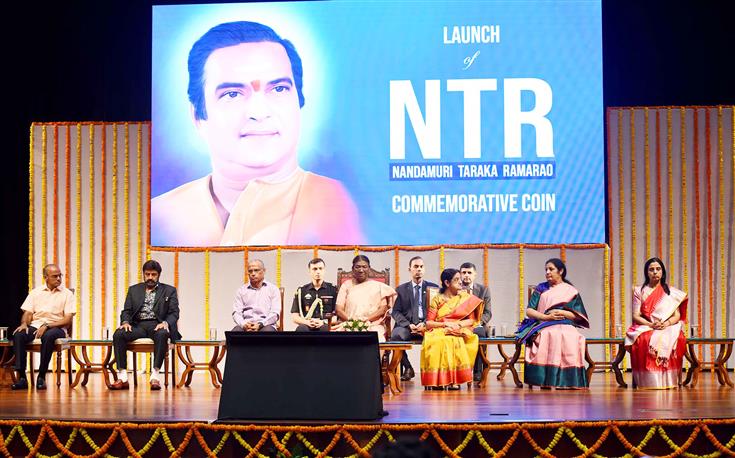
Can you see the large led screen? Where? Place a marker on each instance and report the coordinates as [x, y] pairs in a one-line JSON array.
[[380, 123]]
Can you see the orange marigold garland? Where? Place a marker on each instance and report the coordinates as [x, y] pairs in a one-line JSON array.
[[67, 205], [126, 206], [670, 184], [245, 261], [684, 242], [621, 219], [647, 182], [268, 433], [78, 230], [114, 224], [103, 226], [396, 266], [710, 254], [91, 227], [721, 194], [55, 256], [633, 208], [31, 207], [697, 229], [278, 266], [140, 245], [44, 197], [659, 216], [206, 298], [611, 306]]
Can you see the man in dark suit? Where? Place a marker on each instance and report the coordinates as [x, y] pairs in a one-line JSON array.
[[468, 272], [409, 311], [151, 310]]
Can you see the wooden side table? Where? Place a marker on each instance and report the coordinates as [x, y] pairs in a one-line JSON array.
[[394, 377], [503, 365], [183, 350], [7, 358], [614, 364], [719, 365], [86, 365]]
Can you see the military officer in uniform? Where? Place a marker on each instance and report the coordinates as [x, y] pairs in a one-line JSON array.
[[313, 303]]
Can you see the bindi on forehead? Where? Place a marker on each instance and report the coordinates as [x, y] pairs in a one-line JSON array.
[[256, 85]]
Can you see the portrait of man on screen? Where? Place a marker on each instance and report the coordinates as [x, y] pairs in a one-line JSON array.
[[246, 93]]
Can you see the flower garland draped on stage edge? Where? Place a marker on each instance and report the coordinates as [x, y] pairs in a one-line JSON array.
[[691, 438]]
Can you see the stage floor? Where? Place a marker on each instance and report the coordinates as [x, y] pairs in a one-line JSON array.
[[499, 402]]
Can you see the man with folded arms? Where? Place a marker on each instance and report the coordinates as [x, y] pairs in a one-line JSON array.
[[151, 310], [257, 304], [47, 314]]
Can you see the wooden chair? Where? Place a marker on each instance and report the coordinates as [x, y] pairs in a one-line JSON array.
[[431, 293], [59, 346], [382, 276], [146, 345]]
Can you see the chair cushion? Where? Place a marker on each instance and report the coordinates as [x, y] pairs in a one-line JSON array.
[[143, 341], [56, 342]]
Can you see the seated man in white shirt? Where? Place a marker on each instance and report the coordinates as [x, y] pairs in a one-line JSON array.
[[47, 314]]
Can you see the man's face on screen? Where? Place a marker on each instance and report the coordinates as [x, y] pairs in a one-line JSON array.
[[253, 115]]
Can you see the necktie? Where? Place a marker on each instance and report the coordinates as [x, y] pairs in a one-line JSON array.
[[417, 299]]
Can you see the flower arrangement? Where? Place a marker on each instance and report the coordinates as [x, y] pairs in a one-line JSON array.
[[354, 325]]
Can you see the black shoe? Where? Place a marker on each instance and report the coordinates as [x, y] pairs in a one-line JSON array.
[[41, 383], [408, 374], [21, 384]]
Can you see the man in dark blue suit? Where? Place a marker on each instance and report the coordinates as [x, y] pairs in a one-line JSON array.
[[409, 311], [468, 272]]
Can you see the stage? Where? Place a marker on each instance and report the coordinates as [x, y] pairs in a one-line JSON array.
[[606, 419]]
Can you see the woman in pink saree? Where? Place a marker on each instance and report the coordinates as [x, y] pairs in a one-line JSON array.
[[655, 339], [554, 346]]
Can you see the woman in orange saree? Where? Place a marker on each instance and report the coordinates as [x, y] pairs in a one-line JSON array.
[[655, 339], [449, 348]]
